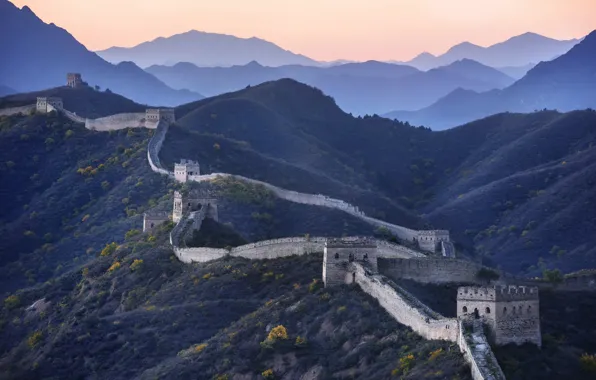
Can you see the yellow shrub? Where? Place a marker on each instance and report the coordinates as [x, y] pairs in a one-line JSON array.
[[278, 332], [268, 374], [200, 347], [435, 354], [114, 266], [34, 339], [136, 264], [12, 301]]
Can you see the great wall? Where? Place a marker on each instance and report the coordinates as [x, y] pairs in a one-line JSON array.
[[355, 260]]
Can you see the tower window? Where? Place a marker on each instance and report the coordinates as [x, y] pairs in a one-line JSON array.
[[504, 310], [337, 255], [487, 310], [464, 309]]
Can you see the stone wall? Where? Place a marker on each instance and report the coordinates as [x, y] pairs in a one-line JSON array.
[[430, 270], [271, 249], [389, 250], [119, 121], [25, 110], [405, 308], [477, 352], [154, 147]]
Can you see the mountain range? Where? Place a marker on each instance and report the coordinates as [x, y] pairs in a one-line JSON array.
[[359, 88], [205, 49], [565, 83], [517, 51], [220, 50], [38, 55]]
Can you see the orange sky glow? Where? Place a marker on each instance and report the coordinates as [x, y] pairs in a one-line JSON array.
[[322, 29]]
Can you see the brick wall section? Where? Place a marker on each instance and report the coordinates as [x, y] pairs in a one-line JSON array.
[[430, 270]]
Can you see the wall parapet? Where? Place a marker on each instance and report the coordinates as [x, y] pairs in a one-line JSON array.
[[476, 349]]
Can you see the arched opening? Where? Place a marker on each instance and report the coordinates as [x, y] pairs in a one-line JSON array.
[[365, 258], [487, 310], [504, 310], [354, 277], [476, 314], [529, 308], [351, 257], [152, 225], [464, 309], [337, 255]]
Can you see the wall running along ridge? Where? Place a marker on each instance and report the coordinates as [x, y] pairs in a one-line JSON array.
[[409, 311], [25, 110]]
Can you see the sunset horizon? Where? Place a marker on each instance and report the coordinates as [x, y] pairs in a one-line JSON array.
[[373, 33]]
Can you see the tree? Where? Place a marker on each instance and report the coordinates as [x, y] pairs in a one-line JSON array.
[[553, 276], [97, 88]]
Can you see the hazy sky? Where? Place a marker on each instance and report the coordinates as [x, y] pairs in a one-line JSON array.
[[322, 29]]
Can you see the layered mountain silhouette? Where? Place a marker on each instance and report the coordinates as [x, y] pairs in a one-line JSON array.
[[516, 72], [565, 83], [360, 88], [36, 55], [205, 49], [517, 51]]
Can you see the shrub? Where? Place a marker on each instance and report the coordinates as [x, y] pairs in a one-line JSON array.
[[136, 264], [277, 333], [313, 286], [553, 276], [268, 374], [300, 341], [129, 234], [109, 249], [116, 265], [12, 302], [588, 363], [200, 347], [435, 354], [405, 365], [487, 274], [34, 339]]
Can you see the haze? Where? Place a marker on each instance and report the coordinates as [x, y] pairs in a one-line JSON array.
[[322, 29]]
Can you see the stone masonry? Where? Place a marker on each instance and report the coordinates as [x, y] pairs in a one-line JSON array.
[[194, 201], [45, 105], [74, 80], [338, 254], [187, 170], [153, 219], [163, 114], [511, 312]]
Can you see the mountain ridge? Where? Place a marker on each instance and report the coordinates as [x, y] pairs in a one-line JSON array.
[[205, 49], [565, 83], [57, 52]]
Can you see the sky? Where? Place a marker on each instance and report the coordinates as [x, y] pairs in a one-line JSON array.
[[322, 29]]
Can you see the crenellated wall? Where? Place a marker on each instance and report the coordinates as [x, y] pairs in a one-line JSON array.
[[404, 307], [431, 270], [118, 121], [154, 147], [25, 110]]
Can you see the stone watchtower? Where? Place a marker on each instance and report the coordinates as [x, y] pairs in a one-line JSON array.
[[186, 170], [511, 312], [45, 105], [194, 201], [152, 219], [74, 80], [160, 114], [339, 253], [431, 240]]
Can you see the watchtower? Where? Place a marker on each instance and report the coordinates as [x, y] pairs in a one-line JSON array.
[[152, 219], [511, 312], [339, 253], [431, 240], [194, 201], [186, 170], [74, 80], [43, 103], [160, 114]]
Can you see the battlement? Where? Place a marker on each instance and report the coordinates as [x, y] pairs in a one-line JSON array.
[[48, 104], [186, 170], [351, 242], [158, 114], [498, 293], [436, 233]]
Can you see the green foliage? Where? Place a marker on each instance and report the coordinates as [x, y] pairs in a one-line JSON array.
[[487, 274], [109, 249], [34, 339], [131, 233], [588, 363], [553, 276], [12, 302], [136, 264], [268, 374]]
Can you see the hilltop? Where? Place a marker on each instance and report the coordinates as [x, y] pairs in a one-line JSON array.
[[205, 49], [37, 55]]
